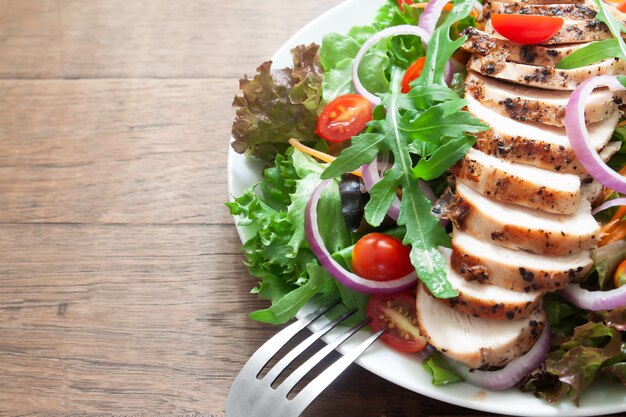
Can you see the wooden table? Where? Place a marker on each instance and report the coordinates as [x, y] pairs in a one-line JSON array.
[[122, 289]]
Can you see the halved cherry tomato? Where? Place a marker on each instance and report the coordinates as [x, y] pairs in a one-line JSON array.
[[397, 312], [401, 3], [414, 71], [526, 29], [344, 117], [381, 257], [620, 275]]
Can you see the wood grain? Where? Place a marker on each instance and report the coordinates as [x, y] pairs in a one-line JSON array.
[[145, 38], [114, 151], [122, 289]]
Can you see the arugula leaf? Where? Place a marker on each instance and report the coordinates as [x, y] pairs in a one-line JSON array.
[[423, 230], [599, 50], [274, 107], [441, 47], [419, 123], [444, 157], [590, 54]]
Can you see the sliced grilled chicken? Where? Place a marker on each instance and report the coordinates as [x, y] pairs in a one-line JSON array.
[[484, 44], [488, 301], [566, 11], [542, 77], [518, 227], [530, 143], [485, 262], [573, 31], [591, 191], [475, 342], [523, 103], [544, 1], [512, 183]]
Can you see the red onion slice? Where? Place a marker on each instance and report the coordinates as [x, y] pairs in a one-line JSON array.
[[349, 279], [578, 134], [430, 15], [513, 372], [608, 204], [594, 300], [385, 33]]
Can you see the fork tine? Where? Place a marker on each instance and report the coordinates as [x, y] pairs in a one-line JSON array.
[[323, 380], [302, 346], [280, 339], [307, 366]]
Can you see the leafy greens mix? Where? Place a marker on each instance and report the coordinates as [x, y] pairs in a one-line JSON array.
[[426, 132]]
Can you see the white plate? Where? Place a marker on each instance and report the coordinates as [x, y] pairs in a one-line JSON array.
[[402, 369]]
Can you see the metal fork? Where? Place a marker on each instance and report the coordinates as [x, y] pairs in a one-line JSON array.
[[250, 396]]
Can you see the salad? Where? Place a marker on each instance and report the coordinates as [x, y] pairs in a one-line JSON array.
[[369, 143]]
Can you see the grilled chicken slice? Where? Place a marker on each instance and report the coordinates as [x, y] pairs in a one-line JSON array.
[[484, 44], [566, 11], [544, 1], [488, 301], [591, 191], [512, 183], [543, 146], [573, 31], [475, 342], [485, 262], [542, 77], [518, 227], [529, 104]]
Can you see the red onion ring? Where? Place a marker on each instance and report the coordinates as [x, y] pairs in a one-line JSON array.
[[349, 279], [594, 300], [608, 204], [513, 372], [392, 31], [578, 134]]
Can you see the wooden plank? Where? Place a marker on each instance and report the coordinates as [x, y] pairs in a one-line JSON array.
[[122, 318], [114, 151], [144, 38]]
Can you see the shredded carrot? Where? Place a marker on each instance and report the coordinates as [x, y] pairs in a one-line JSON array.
[[619, 214], [608, 228], [618, 234], [315, 153], [446, 8], [622, 123]]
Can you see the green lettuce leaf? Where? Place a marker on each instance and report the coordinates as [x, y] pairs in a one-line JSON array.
[[277, 106], [277, 253], [441, 372]]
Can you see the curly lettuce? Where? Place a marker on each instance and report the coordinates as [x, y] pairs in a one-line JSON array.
[[276, 106]]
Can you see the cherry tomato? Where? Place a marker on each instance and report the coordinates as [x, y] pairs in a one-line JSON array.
[[401, 3], [622, 7], [414, 71], [397, 312], [344, 117], [526, 29], [381, 257], [620, 275]]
